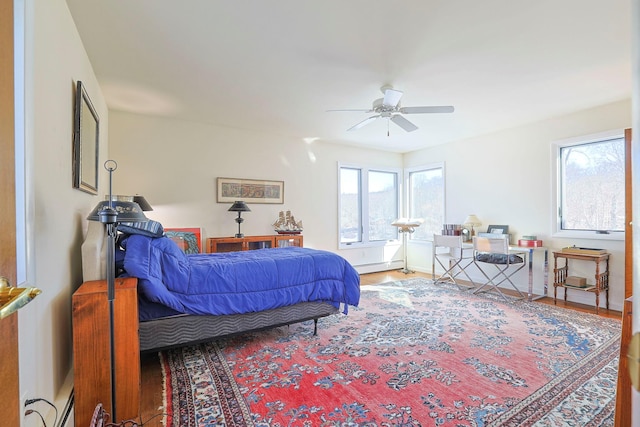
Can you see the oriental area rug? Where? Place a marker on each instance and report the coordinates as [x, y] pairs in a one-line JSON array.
[[412, 354]]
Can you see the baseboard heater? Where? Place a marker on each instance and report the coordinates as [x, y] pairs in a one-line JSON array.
[[66, 418], [375, 267]]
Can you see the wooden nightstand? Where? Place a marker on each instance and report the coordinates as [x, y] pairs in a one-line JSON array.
[[91, 356]]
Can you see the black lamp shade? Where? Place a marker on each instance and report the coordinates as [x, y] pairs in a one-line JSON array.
[[144, 205], [239, 206], [125, 211]]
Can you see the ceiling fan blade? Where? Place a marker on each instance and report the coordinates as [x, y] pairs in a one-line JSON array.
[[368, 110], [434, 109], [391, 97], [403, 123], [364, 122]]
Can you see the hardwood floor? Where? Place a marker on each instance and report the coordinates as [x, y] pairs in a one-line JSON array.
[[387, 276], [151, 388]]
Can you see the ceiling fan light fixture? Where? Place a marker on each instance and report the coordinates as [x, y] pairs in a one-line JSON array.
[[392, 98]]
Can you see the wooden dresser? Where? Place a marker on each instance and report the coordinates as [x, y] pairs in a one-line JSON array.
[[91, 356], [234, 244]]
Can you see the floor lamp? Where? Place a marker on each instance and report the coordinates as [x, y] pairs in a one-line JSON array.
[[406, 226], [110, 212]]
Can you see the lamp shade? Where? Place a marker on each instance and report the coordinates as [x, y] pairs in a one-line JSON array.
[[125, 211], [407, 222], [472, 220], [239, 206], [144, 205], [407, 225]]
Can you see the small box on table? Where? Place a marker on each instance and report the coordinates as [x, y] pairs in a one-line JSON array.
[[576, 281]]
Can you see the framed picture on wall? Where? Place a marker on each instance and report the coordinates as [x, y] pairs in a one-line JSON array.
[[86, 138], [250, 191]]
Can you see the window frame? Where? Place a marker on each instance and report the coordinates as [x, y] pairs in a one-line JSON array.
[[409, 196], [364, 203], [556, 186]]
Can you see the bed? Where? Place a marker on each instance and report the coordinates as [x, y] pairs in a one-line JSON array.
[[184, 299]]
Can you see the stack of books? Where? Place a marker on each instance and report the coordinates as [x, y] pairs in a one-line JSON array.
[[530, 241], [451, 229]]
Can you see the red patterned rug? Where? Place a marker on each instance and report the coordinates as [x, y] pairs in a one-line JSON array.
[[412, 354]]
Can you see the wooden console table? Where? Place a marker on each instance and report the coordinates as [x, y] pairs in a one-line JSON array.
[[234, 244], [601, 278], [91, 357]]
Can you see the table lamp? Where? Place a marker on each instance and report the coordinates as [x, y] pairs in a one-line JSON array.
[[472, 221], [239, 206]]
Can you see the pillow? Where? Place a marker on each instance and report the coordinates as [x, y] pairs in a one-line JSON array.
[[149, 228], [498, 258]]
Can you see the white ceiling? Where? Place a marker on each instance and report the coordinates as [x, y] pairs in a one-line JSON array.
[[278, 65]]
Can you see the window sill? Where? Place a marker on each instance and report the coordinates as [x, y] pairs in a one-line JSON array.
[[359, 245], [590, 235]]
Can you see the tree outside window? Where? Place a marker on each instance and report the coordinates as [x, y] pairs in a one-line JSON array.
[[591, 188], [367, 197], [426, 200]]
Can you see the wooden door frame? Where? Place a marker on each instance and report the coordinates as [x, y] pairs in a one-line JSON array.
[[623, 391], [10, 372], [628, 229]]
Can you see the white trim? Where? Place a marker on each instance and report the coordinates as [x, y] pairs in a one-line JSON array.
[[594, 137], [556, 229]]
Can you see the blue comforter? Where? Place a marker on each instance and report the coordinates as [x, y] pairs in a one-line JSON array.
[[238, 282]]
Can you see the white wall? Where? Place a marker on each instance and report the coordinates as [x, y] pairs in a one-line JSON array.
[[505, 178], [55, 60], [174, 164]]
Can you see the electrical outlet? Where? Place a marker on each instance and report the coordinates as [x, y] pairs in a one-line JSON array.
[[23, 399]]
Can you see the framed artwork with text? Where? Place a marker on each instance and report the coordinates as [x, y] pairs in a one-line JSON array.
[[250, 191]]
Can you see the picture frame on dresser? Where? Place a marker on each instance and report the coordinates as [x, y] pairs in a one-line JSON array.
[[188, 239], [249, 190], [86, 139], [498, 229]]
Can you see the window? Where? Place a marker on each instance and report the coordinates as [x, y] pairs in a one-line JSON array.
[[590, 183], [367, 196], [426, 199], [350, 206]]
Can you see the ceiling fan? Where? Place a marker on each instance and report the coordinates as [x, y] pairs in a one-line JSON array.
[[389, 108]]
